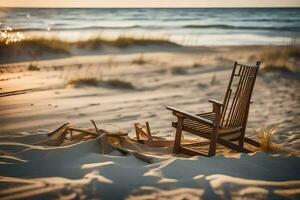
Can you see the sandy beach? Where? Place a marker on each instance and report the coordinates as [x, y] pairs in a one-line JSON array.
[[120, 89]]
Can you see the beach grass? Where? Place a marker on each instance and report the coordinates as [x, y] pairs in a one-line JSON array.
[[265, 137], [178, 70], [283, 58], [33, 67], [121, 84], [83, 81], [120, 42], [140, 60], [98, 82], [34, 47]]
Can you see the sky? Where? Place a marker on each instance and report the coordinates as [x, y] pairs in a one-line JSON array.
[[149, 3]]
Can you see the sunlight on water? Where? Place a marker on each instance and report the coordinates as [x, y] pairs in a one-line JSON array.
[[7, 36]]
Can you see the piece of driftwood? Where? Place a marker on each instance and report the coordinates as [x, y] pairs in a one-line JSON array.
[[227, 122], [83, 131], [56, 130], [142, 131], [135, 154], [88, 131], [97, 130], [66, 134], [56, 138], [110, 134]]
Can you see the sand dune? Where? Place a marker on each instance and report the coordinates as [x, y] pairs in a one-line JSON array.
[[37, 99], [81, 171]]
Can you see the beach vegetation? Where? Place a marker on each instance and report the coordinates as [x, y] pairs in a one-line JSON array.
[[265, 135], [120, 84], [34, 47], [140, 60], [121, 42], [94, 82], [196, 65], [33, 67], [178, 70], [83, 81], [281, 59]]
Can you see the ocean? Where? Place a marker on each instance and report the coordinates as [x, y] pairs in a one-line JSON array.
[[184, 26]]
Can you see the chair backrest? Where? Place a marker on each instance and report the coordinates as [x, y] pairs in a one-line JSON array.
[[238, 95]]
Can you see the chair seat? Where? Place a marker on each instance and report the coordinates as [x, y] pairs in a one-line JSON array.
[[205, 130]]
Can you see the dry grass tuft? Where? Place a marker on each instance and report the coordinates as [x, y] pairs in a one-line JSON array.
[[127, 41], [33, 67], [94, 82], [178, 71], [196, 65], [140, 60], [265, 136], [83, 81], [120, 84], [281, 59]]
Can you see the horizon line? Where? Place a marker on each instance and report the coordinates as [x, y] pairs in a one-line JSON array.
[[158, 7]]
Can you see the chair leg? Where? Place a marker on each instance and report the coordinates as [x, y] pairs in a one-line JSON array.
[[241, 139], [212, 146], [241, 142], [176, 148], [233, 146]]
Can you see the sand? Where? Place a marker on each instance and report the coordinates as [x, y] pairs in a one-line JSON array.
[[81, 171], [33, 102]]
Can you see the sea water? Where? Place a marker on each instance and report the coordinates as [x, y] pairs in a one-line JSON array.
[[184, 26]]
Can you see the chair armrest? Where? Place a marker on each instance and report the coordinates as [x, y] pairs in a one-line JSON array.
[[180, 113], [216, 102]]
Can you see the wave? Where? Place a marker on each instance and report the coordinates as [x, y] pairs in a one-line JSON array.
[[74, 28], [192, 26], [270, 20], [224, 26]]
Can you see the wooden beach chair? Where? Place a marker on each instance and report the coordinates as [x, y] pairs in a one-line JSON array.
[[226, 124]]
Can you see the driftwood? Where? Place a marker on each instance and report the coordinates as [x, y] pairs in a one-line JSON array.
[[102, 131], [65, 133], [56, 130], [142, 131], [97, 130], [83, 131], [136, 154], [56, 137]]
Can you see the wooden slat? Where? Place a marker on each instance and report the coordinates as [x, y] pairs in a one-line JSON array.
[[235, 99], [243, 100], [252, 142], [180, 113], [233, 146], [190, 152]]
